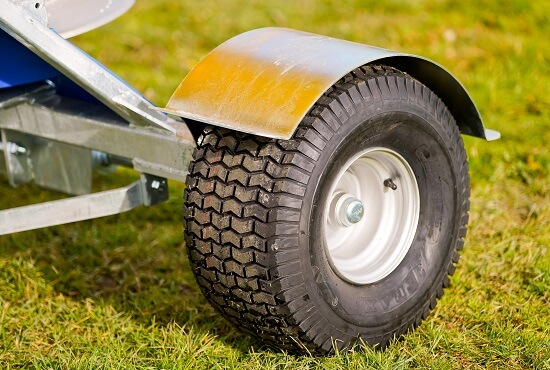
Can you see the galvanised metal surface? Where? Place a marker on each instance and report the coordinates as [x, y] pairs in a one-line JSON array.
[[49, 164], [42, 113], [27, 23], [73, 209], [264, 81]]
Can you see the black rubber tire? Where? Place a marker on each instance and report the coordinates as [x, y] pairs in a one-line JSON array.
[[253, 217]]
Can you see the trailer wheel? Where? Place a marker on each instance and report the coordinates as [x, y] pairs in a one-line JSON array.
[[345, 233]]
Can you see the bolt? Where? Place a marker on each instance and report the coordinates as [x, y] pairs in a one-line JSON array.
[[348, 210], [100, 159], [16, 149], [158, 185], [390, 184], [355, 211]]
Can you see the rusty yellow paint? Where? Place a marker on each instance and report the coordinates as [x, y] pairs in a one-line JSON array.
[[265, 81], [247, 94]]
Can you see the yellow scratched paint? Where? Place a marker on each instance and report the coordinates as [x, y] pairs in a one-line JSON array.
[[226, 87]]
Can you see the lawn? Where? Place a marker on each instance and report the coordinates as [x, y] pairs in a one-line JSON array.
[[118, 293]]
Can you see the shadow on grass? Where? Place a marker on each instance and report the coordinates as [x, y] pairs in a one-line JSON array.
[[135, 263]]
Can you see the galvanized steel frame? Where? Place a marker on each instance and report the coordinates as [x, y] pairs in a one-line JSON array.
[[43, 113], [155, 144]]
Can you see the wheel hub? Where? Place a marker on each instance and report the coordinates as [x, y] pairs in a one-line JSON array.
[[371, 215], [348, 210]]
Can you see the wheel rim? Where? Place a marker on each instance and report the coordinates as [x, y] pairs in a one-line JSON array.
[[371, 215]]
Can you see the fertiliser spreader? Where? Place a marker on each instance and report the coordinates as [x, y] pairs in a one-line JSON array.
[[326, 181]]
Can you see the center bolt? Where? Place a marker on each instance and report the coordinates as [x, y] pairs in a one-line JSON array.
[[349, 210]]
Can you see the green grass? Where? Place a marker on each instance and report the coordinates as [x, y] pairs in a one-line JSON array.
[[118, 292]]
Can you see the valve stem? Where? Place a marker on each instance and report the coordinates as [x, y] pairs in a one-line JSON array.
[[390, 184]]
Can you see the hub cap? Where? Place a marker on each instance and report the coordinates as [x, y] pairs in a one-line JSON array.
[[371, 216]]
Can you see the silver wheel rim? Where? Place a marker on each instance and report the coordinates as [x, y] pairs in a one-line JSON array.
[[371, 215]]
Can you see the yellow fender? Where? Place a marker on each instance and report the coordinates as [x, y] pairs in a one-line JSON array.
[[265, 81]]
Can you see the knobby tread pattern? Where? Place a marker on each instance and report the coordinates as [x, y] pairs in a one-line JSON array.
[[242, 210]]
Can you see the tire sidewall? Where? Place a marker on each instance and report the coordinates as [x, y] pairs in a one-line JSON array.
[[374, 309]]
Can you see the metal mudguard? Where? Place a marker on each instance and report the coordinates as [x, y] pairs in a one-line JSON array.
[[265, 81]]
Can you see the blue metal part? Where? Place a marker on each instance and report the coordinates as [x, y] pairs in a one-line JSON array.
[[19, 65]]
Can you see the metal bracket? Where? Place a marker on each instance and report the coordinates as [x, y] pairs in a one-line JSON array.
[[36, 9], [156, 189], [149, 190], [50, 164]]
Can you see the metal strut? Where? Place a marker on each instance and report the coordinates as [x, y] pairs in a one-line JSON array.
[[149, 190]]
